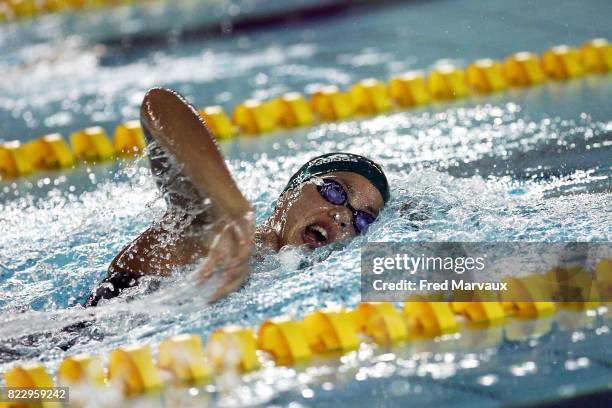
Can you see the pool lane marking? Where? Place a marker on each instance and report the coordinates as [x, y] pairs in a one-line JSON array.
[[327, 104], [182, 359]]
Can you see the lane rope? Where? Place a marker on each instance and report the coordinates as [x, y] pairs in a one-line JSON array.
[[292, 110], [183, 358], [284, 341]]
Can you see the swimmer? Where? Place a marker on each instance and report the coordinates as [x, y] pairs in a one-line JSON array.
[[332, 197]]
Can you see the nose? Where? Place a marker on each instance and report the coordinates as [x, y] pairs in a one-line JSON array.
[[342, 216]]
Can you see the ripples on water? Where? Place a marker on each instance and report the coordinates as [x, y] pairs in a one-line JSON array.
[[59, 240], [530, 165]]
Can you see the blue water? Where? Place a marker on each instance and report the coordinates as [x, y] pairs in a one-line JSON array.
[[530, 164]]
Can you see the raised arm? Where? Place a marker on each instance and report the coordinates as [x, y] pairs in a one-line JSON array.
[[223, 232], [180, 130]]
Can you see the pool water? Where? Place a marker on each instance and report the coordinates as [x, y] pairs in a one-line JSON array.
[[530, 164]]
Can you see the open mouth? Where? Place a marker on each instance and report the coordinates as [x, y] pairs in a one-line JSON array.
[[315, 235]]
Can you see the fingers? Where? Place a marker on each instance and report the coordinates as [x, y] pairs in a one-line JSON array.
[[232, 276], [232, 273], [207, 270], [233, 281], [223, 256], [230, 255]]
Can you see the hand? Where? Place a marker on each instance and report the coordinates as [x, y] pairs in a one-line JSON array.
[[230, 253]]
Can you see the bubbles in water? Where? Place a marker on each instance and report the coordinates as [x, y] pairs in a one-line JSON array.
[[478, 169]]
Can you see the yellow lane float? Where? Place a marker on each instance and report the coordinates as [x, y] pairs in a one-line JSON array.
[[52, 6], [478, 306], [81, 368], [523, 69], [132, 368], [446, 82], [485, 76], [409, 89], [380, 321], [22, 8], [527, 297], [128, 139], [14, 160], [218, 122], [370, 96], [603, 278], [429, 318], [291, 110], [572, 287], [49, 152], [91, 144], [235, 349], [480, 312], [28, 376], [284, 339], [32, 376], [330, 104], [232, 348], [183, 358], [330, 330], [596, 55], [562, 62], [253, 116]]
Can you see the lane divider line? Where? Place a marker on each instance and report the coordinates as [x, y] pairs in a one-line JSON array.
[[381, 322], [523, 69], [485, 76], [182, 359], [429, 319], [91, 144], [329, 103]]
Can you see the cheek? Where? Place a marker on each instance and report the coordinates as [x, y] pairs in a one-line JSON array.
[[301, 205], [290, 220], [290, 217], [297, 213], [295, 218]]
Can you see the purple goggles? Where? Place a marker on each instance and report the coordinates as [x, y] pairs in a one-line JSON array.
[[333, 192]]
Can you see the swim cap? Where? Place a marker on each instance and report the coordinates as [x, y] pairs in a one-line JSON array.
[[331, 162]]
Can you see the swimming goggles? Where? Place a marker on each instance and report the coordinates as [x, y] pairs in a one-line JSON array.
[[333, 192]]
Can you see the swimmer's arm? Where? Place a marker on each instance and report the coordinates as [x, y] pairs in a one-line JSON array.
[[181, 131], [229, 251], [143, 256], [149, 254], [228, 244]]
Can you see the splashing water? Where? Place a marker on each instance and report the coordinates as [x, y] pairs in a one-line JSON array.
[[59, 239], [530, 165]]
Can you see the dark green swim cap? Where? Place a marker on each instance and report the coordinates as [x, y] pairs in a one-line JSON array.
[[353, 163]]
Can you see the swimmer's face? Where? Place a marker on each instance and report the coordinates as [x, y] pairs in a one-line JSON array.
[[304, 217]]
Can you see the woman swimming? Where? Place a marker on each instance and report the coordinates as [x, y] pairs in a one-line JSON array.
[[332, 197]]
